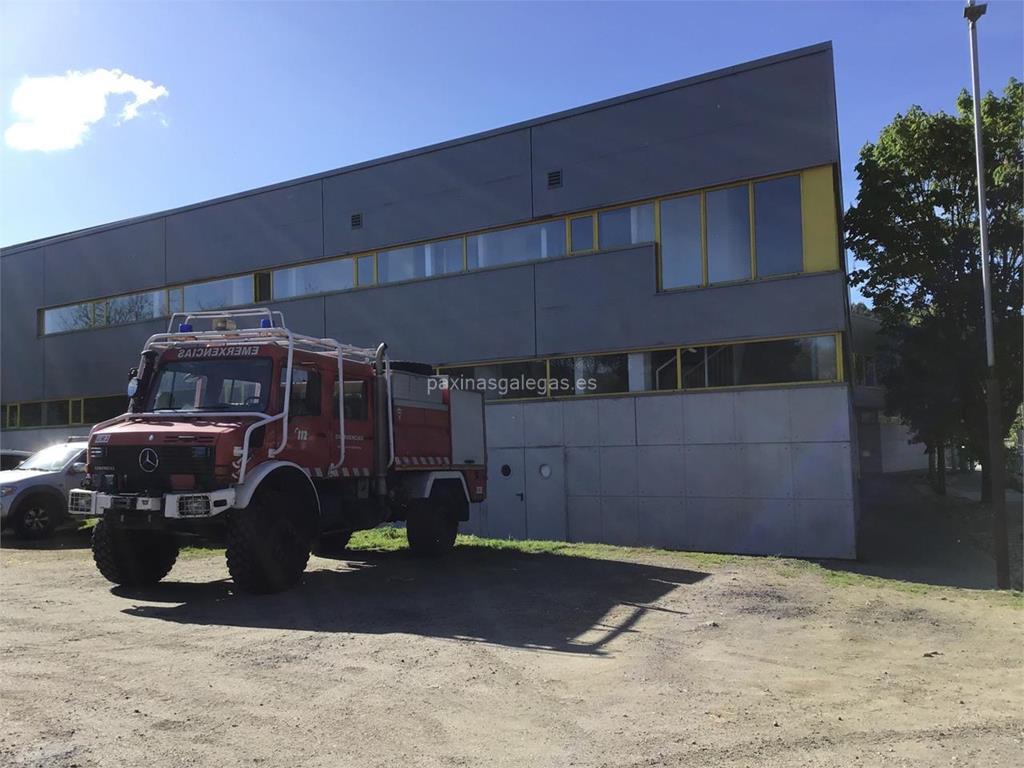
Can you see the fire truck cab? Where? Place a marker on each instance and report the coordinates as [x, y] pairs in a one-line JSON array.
[[275, 443]]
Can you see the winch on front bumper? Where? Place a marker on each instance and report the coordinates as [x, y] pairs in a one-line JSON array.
[[150, 510]]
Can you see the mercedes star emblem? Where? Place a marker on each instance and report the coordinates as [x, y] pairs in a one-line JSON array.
[[148, 460]]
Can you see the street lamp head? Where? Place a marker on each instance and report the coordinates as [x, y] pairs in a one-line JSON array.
[[974, 12]]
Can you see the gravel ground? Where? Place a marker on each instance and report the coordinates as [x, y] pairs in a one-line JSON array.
[[500, 658]]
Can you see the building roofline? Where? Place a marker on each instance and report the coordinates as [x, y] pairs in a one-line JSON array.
[[824, 47]]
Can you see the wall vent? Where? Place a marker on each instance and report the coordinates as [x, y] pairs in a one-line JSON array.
[[357, 221], [554, 179]]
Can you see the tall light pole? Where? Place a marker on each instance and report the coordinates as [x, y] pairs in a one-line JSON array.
[[997, 467]]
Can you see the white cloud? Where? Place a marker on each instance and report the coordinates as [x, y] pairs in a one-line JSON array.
[[57, 112]]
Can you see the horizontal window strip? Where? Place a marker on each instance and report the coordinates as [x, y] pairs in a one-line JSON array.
[[756, 363], [62, 413], [733, 233]]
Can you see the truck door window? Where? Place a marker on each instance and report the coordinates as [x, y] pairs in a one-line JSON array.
[[355, 400], [305, 397]]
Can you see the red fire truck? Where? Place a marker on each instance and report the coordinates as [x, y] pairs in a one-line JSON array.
[[275, 443]]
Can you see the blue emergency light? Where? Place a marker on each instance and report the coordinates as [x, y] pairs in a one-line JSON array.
[[265, 323], [184, 327]]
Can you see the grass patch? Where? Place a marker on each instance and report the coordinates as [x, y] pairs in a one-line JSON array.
[[390, 539]]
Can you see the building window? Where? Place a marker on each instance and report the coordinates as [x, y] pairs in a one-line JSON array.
[[593, 374], [31, 415], [366, 272], [419, 261], [728, 226], [313, 278], [76, 411], [502, 381], [56, 413], [219, 294], [73, 318], [97, 409], [865, 370], [305, 392], [626, 226], [681, 250], [131, 309], [778, 230], [509, 246], [653, 371], [581, 234], [760, 362], [10, 416]]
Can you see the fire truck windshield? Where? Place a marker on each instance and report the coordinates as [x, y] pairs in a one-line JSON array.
[[212, 385]]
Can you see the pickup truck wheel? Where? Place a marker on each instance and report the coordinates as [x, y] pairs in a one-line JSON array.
[[431, 530], [36, 518], [268, 545], [132, 558]]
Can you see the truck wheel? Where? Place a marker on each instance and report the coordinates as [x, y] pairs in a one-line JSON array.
[[36, 518], [132, 558], [268, 545], [332, 544], [431, 530]]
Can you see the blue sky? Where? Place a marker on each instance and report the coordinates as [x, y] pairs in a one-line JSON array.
[[262, 92]]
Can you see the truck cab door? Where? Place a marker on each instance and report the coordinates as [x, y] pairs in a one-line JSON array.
[[309, 437], [358, 429]]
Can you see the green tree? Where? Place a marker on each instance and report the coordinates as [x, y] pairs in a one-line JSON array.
[[914, 233]]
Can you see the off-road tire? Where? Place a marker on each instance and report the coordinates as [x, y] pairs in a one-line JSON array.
[[36, 517], [430, 528], [268, 545], [132, 558], [332, 544]]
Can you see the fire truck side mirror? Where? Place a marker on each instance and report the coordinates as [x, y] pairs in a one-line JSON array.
[[133, 386]]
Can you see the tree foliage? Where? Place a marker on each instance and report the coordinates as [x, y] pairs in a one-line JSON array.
[[914, 233]]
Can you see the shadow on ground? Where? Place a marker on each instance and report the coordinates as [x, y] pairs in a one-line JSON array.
[[910, 533], [69, 536], [541, 601]]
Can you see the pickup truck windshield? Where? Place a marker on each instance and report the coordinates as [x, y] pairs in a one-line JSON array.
[[212, 385]]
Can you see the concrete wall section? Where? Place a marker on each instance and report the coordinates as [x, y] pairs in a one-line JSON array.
[[750, 471], [898, 453]]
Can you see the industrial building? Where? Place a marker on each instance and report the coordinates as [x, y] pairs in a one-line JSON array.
[[666, 263]]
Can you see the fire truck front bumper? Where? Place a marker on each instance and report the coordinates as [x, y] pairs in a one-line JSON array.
[[150, 510]]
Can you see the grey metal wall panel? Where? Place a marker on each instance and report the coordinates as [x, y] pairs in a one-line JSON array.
[[97, 362], [609, 301], [105, 263], [304, 316], [473, 316], [281, 226], [480, 184], [21, 293], [761, 121]]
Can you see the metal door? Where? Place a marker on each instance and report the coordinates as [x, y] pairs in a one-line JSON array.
[[506, 494], [545, 494]]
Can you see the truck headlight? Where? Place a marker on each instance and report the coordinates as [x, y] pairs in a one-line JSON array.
[[6, 490]]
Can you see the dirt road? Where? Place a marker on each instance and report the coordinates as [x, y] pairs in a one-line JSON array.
[[500, 658]]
